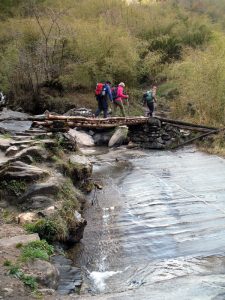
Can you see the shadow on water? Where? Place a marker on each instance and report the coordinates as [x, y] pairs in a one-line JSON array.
[[157, 229]]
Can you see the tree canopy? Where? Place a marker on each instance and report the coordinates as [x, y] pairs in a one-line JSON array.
[[73, 44]]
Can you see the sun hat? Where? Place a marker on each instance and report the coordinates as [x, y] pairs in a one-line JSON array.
[[122, 84]]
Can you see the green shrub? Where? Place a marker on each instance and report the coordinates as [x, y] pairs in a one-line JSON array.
[[51, 229], [17, 187], [202, 100], [36, 249]]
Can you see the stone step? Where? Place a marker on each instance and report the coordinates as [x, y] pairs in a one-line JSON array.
[[13, 241]]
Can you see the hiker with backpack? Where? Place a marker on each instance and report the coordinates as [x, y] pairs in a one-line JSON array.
[[119, 97], [149, 99], [102, 93]]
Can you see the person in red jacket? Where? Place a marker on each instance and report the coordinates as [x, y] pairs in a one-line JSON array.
[[118, 102]]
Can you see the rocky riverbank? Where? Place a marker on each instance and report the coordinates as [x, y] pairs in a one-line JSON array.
[[44, 178]]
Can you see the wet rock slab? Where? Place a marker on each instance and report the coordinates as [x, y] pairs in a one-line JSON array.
[[70, 278]]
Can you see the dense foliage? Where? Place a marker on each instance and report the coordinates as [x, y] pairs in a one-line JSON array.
[[67, 46]]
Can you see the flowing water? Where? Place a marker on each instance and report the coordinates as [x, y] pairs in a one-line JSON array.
[[157, 228]]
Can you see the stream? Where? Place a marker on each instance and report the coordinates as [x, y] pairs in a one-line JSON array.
[[157, 228]]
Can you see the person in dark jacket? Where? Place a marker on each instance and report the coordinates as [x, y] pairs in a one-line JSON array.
[[149, 99], [103, 99]]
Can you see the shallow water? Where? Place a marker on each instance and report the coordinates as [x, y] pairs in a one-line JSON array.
[[157, 229]]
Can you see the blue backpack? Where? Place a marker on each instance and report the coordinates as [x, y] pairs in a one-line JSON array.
[[114, 93]]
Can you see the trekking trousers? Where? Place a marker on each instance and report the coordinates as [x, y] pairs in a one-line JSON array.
[[151, 108], [119, 104], [102, 106]]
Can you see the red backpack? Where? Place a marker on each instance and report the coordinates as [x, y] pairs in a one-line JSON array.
[[99, 88]]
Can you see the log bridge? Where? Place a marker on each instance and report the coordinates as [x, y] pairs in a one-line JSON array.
[[153, 133]]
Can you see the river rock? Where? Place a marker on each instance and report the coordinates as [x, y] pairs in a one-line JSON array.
[[48, 211], [154, 122], [70, 277], [166, 137], [76, 232], [119, 136], [20, 171], [38, 202], [82, 138], [13, 126], [8, 114], [69, 142], [45, 273], [11, 151], [84, 112], [102, 138], [41, 195], [28, 217], [36, 152], [5, 143], [132, 145], [82, 167]]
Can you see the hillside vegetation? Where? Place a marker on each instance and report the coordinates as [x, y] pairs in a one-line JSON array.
[[53, 52]]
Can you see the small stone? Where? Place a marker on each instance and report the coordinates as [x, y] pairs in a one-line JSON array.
[[7, 291], [47, 291], [131, 145], [98, 186], [27, 218]]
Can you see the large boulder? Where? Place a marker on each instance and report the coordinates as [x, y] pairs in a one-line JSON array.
[[102, 138], [8, 114], [13, 126], [45, 273], [82, 138], [82, 167], [119, 136]]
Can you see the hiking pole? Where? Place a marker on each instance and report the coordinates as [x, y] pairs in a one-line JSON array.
[[128, 103]]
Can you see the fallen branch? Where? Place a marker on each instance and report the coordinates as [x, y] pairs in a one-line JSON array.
[[198, 129], [184, 123], [196, 138]]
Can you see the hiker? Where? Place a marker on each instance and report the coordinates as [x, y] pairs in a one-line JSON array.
[[102, 93], [149, 99], [119, 99]]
